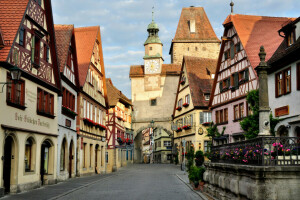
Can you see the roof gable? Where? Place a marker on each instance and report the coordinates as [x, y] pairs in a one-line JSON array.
[[203, 28], [114, 95]]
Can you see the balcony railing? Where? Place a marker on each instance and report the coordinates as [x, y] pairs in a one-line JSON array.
[[262, 151]]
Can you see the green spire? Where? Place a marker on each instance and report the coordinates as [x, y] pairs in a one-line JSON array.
[[153, 30]]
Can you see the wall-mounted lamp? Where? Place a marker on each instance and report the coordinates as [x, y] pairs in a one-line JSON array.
[[15, 74]]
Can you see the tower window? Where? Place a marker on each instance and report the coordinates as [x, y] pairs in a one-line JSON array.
[[153, 102], [150, 48]]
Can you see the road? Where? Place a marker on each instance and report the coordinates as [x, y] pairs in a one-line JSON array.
[[135, 182]]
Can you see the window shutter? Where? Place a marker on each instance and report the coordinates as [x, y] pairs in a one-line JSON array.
[[228, 82], [236, 80], [32, 48], [247, 74], [221, 85], [201, 117]]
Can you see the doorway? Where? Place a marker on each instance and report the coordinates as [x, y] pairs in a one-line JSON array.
[[70, 159], [96, 159], [44, 160], [7, 163]]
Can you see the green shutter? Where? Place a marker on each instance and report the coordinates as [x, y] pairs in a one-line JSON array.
[[201, 118], [32, 48], [221, 85], [247, 74], [236, 79]]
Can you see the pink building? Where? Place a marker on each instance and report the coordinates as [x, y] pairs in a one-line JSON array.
[[235, 74]]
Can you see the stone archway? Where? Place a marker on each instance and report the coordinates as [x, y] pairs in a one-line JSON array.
[[282, 131]]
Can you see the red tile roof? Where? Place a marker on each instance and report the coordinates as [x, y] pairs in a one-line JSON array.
[[11, 15], [85, 39], [198, 77], [204, 30], [167, 69], [114, 95], [63, 35], [255, 31]]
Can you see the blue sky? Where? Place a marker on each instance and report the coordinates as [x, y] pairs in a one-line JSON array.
[[123, 24]]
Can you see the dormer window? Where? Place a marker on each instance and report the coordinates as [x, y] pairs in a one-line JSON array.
[[291, 38], [192, 26], [206, 97]]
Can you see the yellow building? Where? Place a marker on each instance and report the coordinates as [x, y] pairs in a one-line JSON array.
[[119, 134], [162, 152], [28, 112], [191, 112]]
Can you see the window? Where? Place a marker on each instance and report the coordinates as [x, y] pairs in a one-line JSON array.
[[236, 112], [22, 37], [217, 117], [87, 110], [238, 47], [231, 50], [226, 115], [150, 48], [167, 143], [226, 55], [244, 76], [224, 85], [241, 109], [95, 119], [84, 108], [28, 155], [68, 99], [46, 52], [298, 76], [206, 146], [153, 102], [84, 155], [205, 117], [91, 112], [15, 92], [283, 82], [45, 102], [187, 99], [291, 38], [221, 116], [180, 103], [35, 50], [62, 155], [207, 96]]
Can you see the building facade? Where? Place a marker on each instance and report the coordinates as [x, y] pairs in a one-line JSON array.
[[91, 102], [194, 36], [235, 74], [162, 147], [119, 133], [191, 112], [152, 89], [28, 133], [67, 103], [284, 81]]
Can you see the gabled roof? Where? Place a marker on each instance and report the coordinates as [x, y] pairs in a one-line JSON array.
[[166, 69], [199, 79], [114, 95], [63, 35], [204, 30], [255, 31], [85, 39], [11, 15]]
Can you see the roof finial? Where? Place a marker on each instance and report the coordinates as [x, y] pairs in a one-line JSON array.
[[231, 5], [153, 13]]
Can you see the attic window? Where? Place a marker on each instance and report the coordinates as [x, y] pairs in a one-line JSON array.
[[291, 38], [206, 97], [192, 26]]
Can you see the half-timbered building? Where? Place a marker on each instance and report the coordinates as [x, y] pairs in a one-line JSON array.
[[91, 102], [119, 133], [28, 133], [284, 81], [191, 114], [67, 109], [235, 74]]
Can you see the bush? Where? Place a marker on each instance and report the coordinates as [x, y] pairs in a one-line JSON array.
[[196, 173], [199, 158], [190, 157]]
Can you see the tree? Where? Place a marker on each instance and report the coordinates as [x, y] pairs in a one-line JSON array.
[[212, 131], [199, 158], [250, 124]]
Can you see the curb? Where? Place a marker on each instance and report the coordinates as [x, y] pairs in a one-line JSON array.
[[198, 193]]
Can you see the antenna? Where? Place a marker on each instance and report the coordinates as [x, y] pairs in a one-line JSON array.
[[153, 13]]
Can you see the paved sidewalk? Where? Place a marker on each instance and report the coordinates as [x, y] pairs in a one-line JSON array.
[[59, 189]]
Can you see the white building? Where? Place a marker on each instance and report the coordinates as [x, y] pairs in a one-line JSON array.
[[284, 81]]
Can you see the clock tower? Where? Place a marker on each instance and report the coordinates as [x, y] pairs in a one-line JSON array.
[[153, 50]]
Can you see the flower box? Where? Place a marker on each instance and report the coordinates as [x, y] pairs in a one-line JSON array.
[[232, 88], [206, 123], [186, 127], [89, 122], [179, 108], [184, 153], [68, 112], [182, 82], [179, 129], [121, 140], [185, 104]]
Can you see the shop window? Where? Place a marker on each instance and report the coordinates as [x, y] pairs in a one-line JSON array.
[[62, 155], [28, 155], [15, 93]]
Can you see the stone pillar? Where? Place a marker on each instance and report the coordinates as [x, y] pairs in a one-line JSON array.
[[264, 109]]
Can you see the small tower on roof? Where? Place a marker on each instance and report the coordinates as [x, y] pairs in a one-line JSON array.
[[231, 5]]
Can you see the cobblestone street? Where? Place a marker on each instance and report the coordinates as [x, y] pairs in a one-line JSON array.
[[153, 181]]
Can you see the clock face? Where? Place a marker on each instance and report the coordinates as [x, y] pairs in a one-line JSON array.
[[152, 66]]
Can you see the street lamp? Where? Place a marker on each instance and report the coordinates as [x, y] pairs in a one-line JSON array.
[[15, 74]]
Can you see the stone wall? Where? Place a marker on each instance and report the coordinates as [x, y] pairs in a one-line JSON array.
[[239, 182], [203, 50]]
